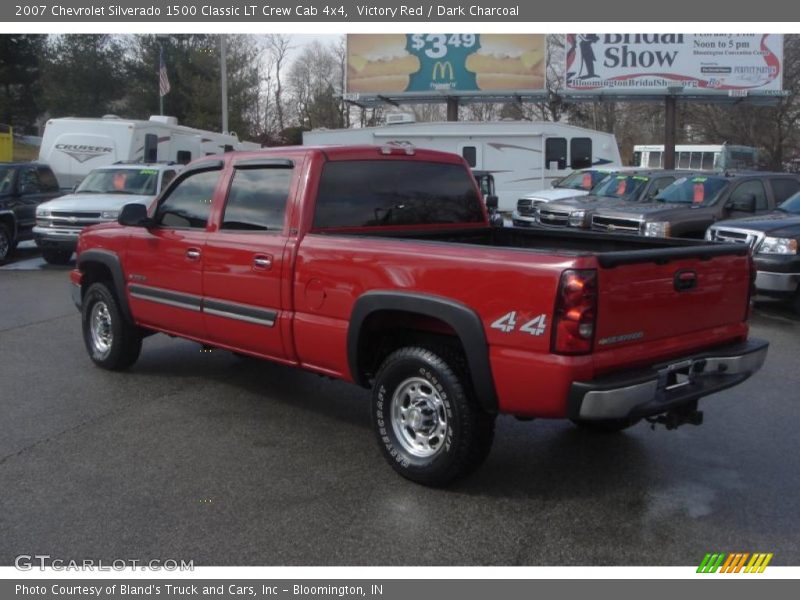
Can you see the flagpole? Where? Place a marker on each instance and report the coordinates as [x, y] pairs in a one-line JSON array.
[[160, 63]]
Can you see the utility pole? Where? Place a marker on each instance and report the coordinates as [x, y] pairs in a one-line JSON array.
[[224, 82], [452, 108], [670, 101]]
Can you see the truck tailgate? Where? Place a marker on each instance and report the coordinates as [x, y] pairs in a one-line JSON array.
[[657, 304]]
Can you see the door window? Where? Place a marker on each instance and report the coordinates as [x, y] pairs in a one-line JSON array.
[[188, 204], [29, 182], [257, 199], [555, 151], [751, 188]]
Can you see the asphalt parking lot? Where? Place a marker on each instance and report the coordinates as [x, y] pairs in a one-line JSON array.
[[207, 457]]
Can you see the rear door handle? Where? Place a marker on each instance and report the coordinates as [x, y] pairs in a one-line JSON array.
[[262, 262], [193, 253]]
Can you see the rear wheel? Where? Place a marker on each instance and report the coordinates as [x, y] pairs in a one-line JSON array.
[[427, 422], [605, 425], [56, 257], [7, 243], [111, 342]]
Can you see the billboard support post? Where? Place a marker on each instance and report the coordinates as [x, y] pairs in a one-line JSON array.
[[669, 131], [452, 108]]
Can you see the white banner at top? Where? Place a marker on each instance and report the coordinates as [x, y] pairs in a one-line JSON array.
[[714, 64]]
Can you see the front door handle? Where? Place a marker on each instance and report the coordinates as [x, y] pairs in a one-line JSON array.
[[262, 262], [193, 253]]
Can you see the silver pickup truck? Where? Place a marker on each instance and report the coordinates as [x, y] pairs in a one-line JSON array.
[[97, 199]]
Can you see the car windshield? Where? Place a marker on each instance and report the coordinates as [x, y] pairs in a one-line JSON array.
[[626, 187], [791, 204], [120, 181], [582, 180], [6, 179], [695, 191]]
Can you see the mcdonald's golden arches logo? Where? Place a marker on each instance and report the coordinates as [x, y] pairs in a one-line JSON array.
[[442, 68]]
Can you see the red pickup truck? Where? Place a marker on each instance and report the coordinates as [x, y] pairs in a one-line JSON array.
[[377, 265]]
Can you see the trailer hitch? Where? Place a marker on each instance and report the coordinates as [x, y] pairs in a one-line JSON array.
[[682, 415]]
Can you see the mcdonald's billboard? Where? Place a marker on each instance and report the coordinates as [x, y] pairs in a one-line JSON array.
[[419, 63]]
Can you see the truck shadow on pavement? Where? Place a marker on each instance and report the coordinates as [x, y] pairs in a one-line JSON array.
[[540, 459]]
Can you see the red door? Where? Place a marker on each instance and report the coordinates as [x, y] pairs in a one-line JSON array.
[[244, 260], [165, 262]]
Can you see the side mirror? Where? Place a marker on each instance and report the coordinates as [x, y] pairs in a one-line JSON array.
[[492, 202], [744, 204], [134, 215]]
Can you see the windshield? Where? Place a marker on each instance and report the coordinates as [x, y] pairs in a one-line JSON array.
[[582, 180], [6, 179], [696, 191], [626, 187], [120, 181], [791, 204]]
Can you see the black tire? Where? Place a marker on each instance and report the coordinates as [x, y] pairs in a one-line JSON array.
[[56, 257], [467, 431], [7, 243], [605, 425], [796, 302], [123, 345]]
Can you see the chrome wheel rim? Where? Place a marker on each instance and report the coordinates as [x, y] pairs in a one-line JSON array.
[[419, 418], [100, 328]]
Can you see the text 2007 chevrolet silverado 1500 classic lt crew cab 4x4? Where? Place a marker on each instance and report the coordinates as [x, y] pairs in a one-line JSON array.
[[377, 265]]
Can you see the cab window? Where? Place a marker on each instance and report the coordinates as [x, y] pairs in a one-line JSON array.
[[188, 204], [257, 199], [755, 188]]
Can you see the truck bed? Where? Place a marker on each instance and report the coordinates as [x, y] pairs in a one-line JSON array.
[[610, 249]]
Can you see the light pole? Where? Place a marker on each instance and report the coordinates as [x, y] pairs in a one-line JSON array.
[[224, 82]]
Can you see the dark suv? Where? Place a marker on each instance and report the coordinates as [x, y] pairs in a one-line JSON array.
[[23, 186], [687, 207], [775, 241]]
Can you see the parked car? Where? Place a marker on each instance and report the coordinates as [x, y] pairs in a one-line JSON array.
[[380, 267], [618, 189], [687, 207], [97, 199], [23, 187], [774, 239], [577, 183]]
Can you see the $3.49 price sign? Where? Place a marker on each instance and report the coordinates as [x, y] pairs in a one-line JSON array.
[[436, 45]]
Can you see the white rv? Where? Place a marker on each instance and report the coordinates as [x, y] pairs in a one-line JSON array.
[[523, 156], [72, 147]]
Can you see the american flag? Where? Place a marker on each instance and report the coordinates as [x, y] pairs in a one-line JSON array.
[[163, 80]]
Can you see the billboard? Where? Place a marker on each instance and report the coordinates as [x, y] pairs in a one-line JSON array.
[[453, 64], [623, 64]]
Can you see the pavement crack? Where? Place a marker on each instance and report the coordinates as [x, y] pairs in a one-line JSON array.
[[91, 421], [15, 327]]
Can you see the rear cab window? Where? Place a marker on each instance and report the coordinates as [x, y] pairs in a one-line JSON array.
[[385, 193]]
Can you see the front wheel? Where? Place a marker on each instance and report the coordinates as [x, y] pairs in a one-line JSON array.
[[7, 243], [56, 257], [112, 343], [427, 422]]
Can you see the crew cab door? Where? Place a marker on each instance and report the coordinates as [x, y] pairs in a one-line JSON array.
[[164, 264], [246, 259], [34, 186]]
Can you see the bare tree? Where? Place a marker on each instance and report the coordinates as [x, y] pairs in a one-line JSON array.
[[278, 46]]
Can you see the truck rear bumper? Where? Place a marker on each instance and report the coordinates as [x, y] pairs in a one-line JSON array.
[[666, 386]]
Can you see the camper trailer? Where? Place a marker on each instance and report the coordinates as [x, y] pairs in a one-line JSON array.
[[75, 146], [524, 156]]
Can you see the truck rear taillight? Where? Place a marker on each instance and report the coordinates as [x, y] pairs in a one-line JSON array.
[[751, 290], [576, 312]]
